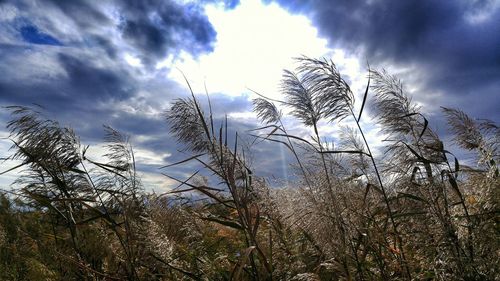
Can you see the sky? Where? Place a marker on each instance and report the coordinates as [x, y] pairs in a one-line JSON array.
[[120, 63]]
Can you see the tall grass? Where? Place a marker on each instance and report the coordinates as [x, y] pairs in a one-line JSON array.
[[416, 213]]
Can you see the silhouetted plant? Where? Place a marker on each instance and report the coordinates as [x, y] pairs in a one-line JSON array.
[[417, 213]]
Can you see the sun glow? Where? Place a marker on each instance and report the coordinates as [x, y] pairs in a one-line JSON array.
[[255, 42]]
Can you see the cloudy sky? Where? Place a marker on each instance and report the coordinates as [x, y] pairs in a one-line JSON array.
[[119, 63]]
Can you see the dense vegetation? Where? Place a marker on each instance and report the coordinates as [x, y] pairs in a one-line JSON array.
[[418, 213]]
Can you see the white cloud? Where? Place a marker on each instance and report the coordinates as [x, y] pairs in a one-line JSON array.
[[35, 65], [255, 42], [483, 14], [147, 157], [132, 60], [156, 182], [8, 178], [7, 12]]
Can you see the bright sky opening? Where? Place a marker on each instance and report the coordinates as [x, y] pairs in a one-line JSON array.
[[254, 43]]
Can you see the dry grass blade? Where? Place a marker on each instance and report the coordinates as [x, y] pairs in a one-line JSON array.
[[186, 124], [238, 269], [43, 140], [266, 111], [299, 99], [364, 98], [345, 152], [194, 157], [466, 131], [273, 140], [392, 104], [332, 96], [119, 151]]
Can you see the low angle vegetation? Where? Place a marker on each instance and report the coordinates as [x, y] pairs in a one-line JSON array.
[[414, 211]]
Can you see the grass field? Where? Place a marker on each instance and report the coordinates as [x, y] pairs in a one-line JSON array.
[[416, 213]]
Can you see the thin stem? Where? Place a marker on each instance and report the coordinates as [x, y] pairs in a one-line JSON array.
[[384, 194], [338, 214]]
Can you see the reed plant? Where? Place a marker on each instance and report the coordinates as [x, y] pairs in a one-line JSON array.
[[415, 213]]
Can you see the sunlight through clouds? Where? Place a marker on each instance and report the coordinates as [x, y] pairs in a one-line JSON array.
[[124, 66], [255, 42]]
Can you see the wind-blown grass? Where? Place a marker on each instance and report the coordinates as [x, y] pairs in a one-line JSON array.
[[417, 213]]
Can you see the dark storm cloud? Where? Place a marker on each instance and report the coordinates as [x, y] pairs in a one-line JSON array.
[[80, 85], [89, 82], [455, 45], [154, 27], [68, 55]]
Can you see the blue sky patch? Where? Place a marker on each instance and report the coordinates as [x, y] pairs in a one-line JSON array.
[[32, 35]]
